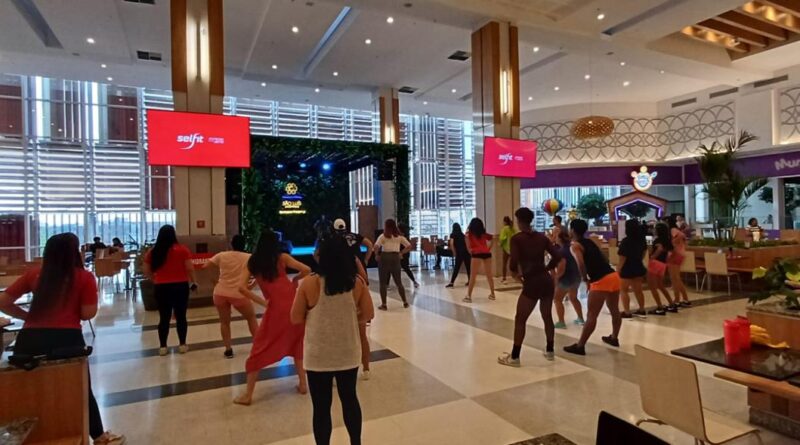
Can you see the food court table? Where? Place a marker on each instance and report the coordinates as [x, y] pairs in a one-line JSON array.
[[770, 375]]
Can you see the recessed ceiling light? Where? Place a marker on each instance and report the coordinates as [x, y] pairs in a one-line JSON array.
[[454, 91], [600, 16], [263, 84], [335, 74], [109, 78], [316, 90], [274, 67], [425, 102], [536, 49], [90, 40], [130, 119], [530, 98], [556, 88], [622, 63], [390, 20], [661, 72], [103, 65], [368, 41], [587, 76], [295, 29], [626, 83]]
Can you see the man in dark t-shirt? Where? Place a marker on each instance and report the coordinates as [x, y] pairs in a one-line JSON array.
[[354, 240]]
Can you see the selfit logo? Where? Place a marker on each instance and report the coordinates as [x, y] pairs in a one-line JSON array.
[[508, 157], [191, 139]]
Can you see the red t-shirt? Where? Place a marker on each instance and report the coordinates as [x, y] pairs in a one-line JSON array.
[[478, 244], [174, 269], [68, 316]]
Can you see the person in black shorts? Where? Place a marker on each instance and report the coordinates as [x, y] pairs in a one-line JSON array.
[[527, 265], [631, 268]]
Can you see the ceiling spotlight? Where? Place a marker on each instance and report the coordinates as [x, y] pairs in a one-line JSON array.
[[600, 16], [626, 83], [425, 102], [109, 78], [368, 41], [295, 29], [263, 84], [530, 98], [316, 90], [326, 166], [90, 40], [274, 67], [103, 65], [335, 74], [536, 49], [454, 91], [390, 20], [622, 63], [587, 76], [661, 72], [556, 88], [303, 165]]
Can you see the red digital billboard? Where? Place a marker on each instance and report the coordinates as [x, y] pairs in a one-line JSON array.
[[197, 139], [509, 158]]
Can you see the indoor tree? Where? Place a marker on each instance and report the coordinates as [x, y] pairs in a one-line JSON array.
[[727, 188], [592, 206]]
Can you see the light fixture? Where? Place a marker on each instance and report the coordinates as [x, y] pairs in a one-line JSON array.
[[368, 41], [591, 126], [198, 50], [90, 40], [263, 84], [103, 65], [316, 90], [530, 98], [303, 165], [536, 49], [109, 78], [626, 83], [454, 91], [326, 167], [279, 166], [661, 72], [335, 74], [390, 20], [600, 16], [622, 63], [274, 67], [556, 88], [130, 119], [505, 92], [424, 102], [587, 76], [295, 29]]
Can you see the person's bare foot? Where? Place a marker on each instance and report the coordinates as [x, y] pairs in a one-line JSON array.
[[243, 399], [302, 389]]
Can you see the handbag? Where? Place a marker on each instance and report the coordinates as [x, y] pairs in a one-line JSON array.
[[656, 268]]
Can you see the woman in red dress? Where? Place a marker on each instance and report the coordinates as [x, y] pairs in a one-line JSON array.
[[276, 337]]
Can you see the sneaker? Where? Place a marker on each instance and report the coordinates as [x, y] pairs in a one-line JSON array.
[[549, 355], [686, 304], [640, 314], [229, 353], [449, 286], [579, 322], [658, 311], [492, 297], [575, 349], [609, 340], [626, 315], [365, 375], [506, 360], [405, 305], [382, 307], [467, 300], [183, 349], [672, 308], [163, 351], [560, 325]]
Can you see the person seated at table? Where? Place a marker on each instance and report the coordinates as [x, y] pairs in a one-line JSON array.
[[96, 245], [64, 293], [116, 242], [442, 250]]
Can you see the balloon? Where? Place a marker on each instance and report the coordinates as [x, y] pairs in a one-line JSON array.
[[552, 206]]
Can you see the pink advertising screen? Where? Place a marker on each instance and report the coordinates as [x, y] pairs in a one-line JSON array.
[[509, 158]]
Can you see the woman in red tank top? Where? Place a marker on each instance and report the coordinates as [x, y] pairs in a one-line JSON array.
[[479, 244]]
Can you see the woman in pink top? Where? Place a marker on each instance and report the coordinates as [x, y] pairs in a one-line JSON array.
[[675, 261], [479, 244], [233, 274]]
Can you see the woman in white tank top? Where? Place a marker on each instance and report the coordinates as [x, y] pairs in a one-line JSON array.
[[332, 304]]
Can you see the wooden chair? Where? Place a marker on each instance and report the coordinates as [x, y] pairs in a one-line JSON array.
[[717, 264], [428, 250], [670, 393], [689, 265]]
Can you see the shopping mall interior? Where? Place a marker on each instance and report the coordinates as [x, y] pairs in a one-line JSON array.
[[176, 177]]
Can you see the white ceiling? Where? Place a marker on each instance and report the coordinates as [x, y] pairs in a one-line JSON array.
[[410, 52]]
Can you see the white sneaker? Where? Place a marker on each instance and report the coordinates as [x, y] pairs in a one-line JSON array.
[[549, 355], [163, 351], [365, 375], [506, 360], [183, 349]]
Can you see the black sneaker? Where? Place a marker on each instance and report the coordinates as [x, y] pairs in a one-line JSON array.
[[449, 286], [626, 315], [229, 353], [672, 308], [658, 311], [405, 305], [609, 340], [575, 349], [686, 304], [640, 314], [382, 307]]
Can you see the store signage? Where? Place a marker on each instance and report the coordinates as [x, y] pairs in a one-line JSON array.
[[292, 201], [197, 139], [784, 163], [510, 158], [642, 179]]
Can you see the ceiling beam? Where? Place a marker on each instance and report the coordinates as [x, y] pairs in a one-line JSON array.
[[771, 16], [723, 41], [787, 6], [737, 33], [740, 20]]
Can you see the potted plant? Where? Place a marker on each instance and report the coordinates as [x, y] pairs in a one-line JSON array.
[[781, 280], [592, 207], [727, 188]]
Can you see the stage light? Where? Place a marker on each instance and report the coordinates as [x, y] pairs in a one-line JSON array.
[[326, 167], [303, 165], [280, 166]]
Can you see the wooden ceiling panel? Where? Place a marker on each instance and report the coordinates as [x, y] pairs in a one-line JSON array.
[[748, 23], [742, 35]]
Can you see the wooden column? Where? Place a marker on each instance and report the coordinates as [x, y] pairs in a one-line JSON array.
[[495, 112], [388, 107], [198, 85]]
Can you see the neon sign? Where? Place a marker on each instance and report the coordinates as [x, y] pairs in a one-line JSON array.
[[642, 180], [292, 202]]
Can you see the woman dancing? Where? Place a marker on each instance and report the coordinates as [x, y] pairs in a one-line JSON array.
[[479, 244]]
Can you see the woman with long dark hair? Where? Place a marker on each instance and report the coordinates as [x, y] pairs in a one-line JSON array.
[[479, 244], [675, 261], [392, 245], [458, 245], [631, 268], [332, 304], [64, 293], [277, 337], [657, 267], [568, 280], [169, 265]]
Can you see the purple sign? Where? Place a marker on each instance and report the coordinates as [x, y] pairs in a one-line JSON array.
[[599, 176], [768, 166]]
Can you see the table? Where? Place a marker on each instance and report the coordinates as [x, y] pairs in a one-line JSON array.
[[771, 376], [16, 431]]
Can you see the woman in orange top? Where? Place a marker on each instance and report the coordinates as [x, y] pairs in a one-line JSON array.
[[479, 244], [169, 265]]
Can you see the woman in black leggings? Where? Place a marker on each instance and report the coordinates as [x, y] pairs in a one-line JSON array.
[[458, 245], [404, 263], [64, 293], [169, 264]]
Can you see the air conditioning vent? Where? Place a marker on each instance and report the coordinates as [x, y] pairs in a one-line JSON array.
[[407, 90], [461, 56], [763, 83], [148, 55], [684, 102], [144, 2], [721, 93]]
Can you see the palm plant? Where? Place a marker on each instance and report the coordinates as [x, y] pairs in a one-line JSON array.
[[727, 188]]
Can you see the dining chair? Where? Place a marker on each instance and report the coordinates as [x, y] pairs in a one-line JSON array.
[[689, 265], [428, 250], [670, 395], [717, 265]]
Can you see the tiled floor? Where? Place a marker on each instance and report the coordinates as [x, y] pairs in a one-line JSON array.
[[435, 378]]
